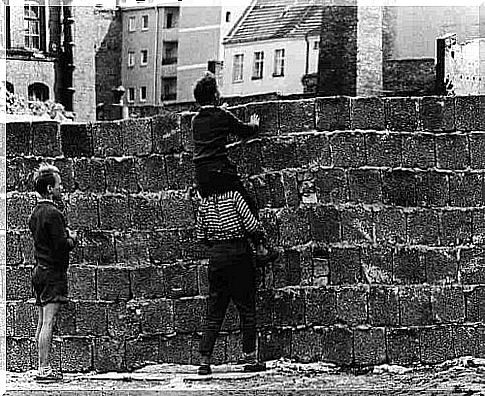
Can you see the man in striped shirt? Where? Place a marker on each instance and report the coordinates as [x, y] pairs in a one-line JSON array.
[[224, 223]]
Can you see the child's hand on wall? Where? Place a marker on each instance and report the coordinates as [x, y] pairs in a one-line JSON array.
[[254, 119]]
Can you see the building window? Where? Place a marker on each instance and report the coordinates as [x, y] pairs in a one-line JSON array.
[[38, 92], [170, 49], [279, 63], [7, 27], [258, 65], [144, 58], [169, 21], [169, 86], [171, 16], [143, 94], [131, 24], [9, 87], [32, 26], [131, 59], [316, 45], [237, 68], [228, 16], [144, 22], [131, 95]]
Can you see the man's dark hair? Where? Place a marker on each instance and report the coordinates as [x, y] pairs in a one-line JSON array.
[[44, 177], [206, 90]]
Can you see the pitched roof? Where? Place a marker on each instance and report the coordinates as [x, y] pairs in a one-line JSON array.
[[271, 19]]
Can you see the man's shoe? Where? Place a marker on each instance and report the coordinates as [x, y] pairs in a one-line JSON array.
[[48, 376], [255, 367], [204, 369]]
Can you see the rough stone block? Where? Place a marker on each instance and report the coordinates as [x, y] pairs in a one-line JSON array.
[[331, 186], [46, 140], [269, 116], [19, 138], [113, 284], [333, 113], [177, 209], [325, 224], [189, 314], [98, 247], [403, 346], [114, 212], [432, 189], [294, 226], [390, 225], [164, 246], [18, 354], [123, 320], [247, 156], [321, 306], [89, 175], [82, 211], [348, 149], [91, 318], [466, 341], [279, 153], [275, 344], [218, 355], [345, 266], [402, 114], [109, 355], [264, 308], [399, 188], [467, 113], [377, 264], [82, 282], [137, 136], [107, 139], [157, 316], [147, 282], [76, 140], [146, 211], [180, 280], [132, 247], [370, 346], [368, 113], [234, 351], [472, 266], [142, 351], [25, 319], [448, 304], [383, 306], [152, 175], [27, 247], [121, 175], [475, 303], [180, 171], [409, 266], [166, 133], [418, 151], [306, 346], [478, 221], [290, 189], [477, 148], [337, 345], [297, 115], [436, 345], [289, 307], [365, 186], [452, 151], [186, 131], [177, 349], [437, 113], [383, 149], [18, 283], [313, 150], [19, 208], [76, 355], [466, 189], [423, 227], [456, 227], [17, 178], [352, 305], [357, 225], [415, 306], [441, 266]]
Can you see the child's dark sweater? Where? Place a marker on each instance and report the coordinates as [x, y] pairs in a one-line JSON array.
[[51, 241], [211, 128]]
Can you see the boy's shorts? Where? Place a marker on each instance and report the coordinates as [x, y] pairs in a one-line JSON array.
[[49, 286]]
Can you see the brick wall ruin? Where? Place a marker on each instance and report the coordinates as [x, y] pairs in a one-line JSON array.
[[378, 205]]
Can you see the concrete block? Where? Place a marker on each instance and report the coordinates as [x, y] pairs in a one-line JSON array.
[[19, 138], [337, 345], [357, 225], [18, 354], [25, 319], [370, 346], [477, 148], [383, 306], [390, 225], [146, 211], [415, 306], [297, 115], [313, 150], [123, 320], [399, 188], [178, 210], [147, 282], [18, 283], [19, 208], [456, 227], [165, 246], [325, 224], [467, 113], [289, 307], [137, 136], [409, 266], [76, 140], [113, 284], [82, 211], [448, 304], [441, 266], [352, 305], [403, 346], [46, 140], [345, 266], [180, 280], [114, 212], [166, 133], [180, 171], [264, 308], [383, 149], [279, 153], [91, 318], [452, 151], [76, 355], [475, 303], [156, 316], [432, 189], [89, 175], [177, 349], [348, 149], [82, 282], [423, 227], [418, 151], [466, 340], [109, 355], [377, 264], [98, 247], [478, 221], [269, 116], [331, 186], [321, 306], [306, 346], [294, 226], [121, 175], [333, 113], [437, 113], [368, 113], [436, 345], [472, 266], [402, 114], [466, 189], [274, 344], [107, 139], [189, 314], [142, 351], [365, 186], [152, 175]]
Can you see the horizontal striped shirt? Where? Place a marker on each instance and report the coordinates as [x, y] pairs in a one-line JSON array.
[[225, 216]]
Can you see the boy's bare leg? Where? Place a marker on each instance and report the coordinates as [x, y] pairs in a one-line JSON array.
[[40, 311], [45, 337]]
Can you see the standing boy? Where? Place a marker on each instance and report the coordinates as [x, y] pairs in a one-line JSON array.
[[224, 223], [52, 243]]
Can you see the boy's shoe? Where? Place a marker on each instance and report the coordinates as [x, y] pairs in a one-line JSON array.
[[254, 367], [48, 375], [204, 369]]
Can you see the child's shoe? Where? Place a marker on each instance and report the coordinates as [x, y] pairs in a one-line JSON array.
[[48, 375]]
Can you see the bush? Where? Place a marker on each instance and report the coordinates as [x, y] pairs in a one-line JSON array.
[[17, 105]]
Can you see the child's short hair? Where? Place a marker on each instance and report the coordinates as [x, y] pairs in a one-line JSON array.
[[206, 89], [44, 176]]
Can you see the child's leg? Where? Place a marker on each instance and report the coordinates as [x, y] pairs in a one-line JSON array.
[[49, 316], [40, 311]]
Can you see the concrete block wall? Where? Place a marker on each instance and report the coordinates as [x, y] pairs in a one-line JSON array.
[[377, 204]]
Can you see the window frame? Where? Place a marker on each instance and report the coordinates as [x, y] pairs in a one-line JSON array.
[[239, 77], [132, 28], [29, 23], [279, 62], [143, 98], [258, 65], [142, 63], [131, 90], [316, 45], [143, 17], [131, 59]]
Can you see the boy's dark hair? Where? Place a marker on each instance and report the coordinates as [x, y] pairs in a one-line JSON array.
[[206, 89], [43, 177]]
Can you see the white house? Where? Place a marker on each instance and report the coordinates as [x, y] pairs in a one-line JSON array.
[[270, 49]]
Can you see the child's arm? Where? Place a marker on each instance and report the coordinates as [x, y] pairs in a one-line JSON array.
[[200, 229], [241, 129], [250, 223], [63, 240]]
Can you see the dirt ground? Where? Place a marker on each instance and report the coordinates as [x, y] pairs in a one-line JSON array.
[[464, 376]]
